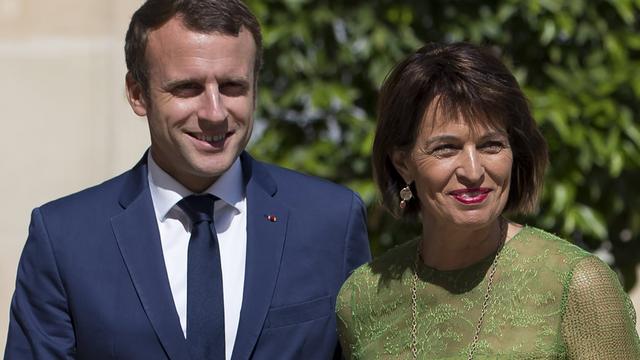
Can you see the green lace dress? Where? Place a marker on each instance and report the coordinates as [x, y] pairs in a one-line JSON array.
[[550, 300]]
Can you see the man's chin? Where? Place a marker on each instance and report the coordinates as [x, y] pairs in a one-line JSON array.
[[212, 171]]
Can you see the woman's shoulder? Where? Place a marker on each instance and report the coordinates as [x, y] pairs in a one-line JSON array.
[[598, 319], [532, 241], [551, 255], [381, 272], [598, 316], [373, 289]]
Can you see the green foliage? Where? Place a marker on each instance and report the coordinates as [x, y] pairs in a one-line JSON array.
[[578, 62]]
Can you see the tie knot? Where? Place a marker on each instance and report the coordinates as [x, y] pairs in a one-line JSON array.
[[198, 207]]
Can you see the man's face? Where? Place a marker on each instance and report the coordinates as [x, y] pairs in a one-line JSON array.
[[200, 101]]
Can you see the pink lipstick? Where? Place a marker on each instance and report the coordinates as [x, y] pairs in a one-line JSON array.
[[470, 196]]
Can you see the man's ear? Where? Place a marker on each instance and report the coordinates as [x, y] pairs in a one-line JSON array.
[[400, 160], [136, 96]]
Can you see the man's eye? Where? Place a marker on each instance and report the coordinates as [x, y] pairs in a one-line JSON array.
[[233, 89], [186, 90]]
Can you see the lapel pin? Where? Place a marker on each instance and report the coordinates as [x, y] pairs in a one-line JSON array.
[[271, 218]]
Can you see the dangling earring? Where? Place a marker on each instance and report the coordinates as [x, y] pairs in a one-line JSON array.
[[405, 196]]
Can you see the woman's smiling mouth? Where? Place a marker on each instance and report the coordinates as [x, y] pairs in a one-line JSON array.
[[470, 196]]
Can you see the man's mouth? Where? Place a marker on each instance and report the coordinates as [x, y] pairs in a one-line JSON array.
[[210, 138], [210, 142]]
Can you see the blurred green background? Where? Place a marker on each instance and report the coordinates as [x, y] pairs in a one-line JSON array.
[[577, 61]]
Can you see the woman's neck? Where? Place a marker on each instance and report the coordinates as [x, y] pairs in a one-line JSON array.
[[447, 247]]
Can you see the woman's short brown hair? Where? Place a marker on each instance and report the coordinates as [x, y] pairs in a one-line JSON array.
[[463, 81]]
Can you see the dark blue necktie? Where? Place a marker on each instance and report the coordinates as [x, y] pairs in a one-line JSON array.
[[205, 306]]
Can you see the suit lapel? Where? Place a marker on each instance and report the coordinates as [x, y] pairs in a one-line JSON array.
[[136, 232], [266, 229]]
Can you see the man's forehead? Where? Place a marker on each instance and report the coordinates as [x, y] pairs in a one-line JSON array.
[[185, 55], [177, 24]]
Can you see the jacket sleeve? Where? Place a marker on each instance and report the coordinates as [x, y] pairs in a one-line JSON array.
[[357, 251], [357, 241], [40, 325]]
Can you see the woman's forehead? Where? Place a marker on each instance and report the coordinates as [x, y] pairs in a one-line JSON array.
[[437, 119]]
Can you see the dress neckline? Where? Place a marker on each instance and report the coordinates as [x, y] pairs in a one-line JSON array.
[[464, 279]]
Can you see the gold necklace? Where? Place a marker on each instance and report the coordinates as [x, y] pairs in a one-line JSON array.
[[485, 303]]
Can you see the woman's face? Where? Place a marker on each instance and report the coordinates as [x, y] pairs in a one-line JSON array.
[[461, 174]]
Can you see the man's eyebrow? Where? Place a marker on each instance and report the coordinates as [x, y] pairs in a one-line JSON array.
[[235, 79], [228, 79], [179, 82]]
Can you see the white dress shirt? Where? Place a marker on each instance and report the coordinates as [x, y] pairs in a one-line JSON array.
[[230, 219]]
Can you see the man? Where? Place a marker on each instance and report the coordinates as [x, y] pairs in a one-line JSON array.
[[138, 268]]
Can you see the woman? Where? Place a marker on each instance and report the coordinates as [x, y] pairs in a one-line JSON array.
[[457, 146]]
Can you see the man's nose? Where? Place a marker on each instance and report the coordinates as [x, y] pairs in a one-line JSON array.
[[470, 170], [212, 105]]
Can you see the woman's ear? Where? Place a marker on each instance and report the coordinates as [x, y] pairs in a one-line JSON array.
[[400, 160], [136, 96]]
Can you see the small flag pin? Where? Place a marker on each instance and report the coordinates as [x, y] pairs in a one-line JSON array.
[[272, 218]]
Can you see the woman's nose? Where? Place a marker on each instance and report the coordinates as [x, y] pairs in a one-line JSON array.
[[470, 168]]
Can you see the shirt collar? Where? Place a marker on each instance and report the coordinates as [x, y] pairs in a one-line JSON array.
[[167, 191]]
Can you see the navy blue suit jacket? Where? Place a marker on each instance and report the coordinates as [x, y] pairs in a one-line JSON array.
[[92, 283]]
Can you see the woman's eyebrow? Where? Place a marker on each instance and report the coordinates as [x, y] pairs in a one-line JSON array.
[[441, 138]]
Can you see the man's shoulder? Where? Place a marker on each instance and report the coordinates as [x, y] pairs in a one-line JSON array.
[[101, 195], [296, 182], [310, 193]]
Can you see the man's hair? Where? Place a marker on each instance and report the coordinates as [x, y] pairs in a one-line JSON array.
[[456, 81], [226, 17]]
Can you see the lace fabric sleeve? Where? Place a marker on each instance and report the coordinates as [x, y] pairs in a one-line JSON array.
[[345, 321], [599, 319]]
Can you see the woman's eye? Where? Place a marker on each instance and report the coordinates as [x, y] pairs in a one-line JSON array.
[[443, 150], [492, 147]]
